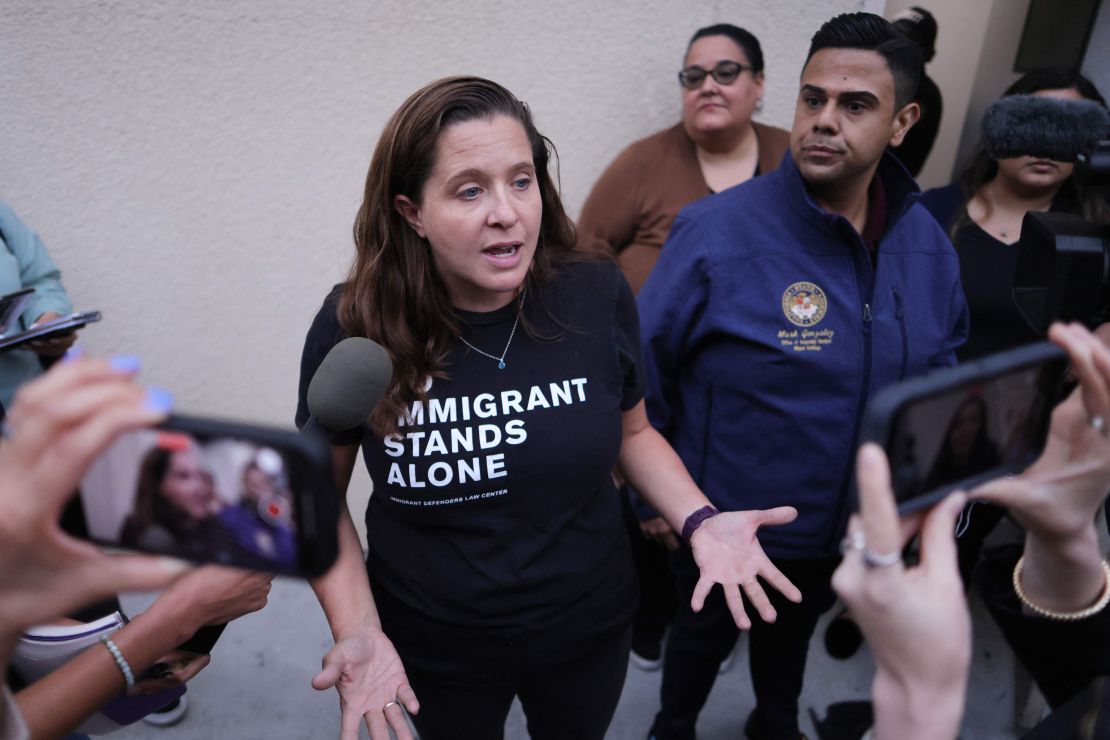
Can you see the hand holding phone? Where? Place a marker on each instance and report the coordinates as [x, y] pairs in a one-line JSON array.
[[54, 344], [217, 492], [958, 427], [51, 329], [1058, 496]]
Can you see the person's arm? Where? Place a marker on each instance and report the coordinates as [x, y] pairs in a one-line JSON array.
[[57, 425], [724, 546], [36, 269], [915, 619], [55, 428], [1057, 498], [363, 665], [210, 595]]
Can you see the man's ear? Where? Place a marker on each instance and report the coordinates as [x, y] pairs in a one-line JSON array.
[[410, 213], [903, 122]]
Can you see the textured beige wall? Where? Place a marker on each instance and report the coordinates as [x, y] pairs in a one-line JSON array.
[[195, 167]]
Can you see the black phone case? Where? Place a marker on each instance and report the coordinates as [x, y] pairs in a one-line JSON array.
[[58, 327], [316, 510], [887, 405]]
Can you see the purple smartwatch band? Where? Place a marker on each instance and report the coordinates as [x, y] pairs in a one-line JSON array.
[[694, 521]]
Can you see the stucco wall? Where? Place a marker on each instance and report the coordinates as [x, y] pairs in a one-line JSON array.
[[195, 167], [961, 28]]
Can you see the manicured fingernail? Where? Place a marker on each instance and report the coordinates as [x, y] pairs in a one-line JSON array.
[[173, 565], [73, 353], [125, 363], [159, 400]]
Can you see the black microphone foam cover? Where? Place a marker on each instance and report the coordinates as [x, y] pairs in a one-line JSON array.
[[350, 381], [1039, 126]]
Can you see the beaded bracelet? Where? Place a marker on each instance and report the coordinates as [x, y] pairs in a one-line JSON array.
[[1095, 608], [121, 661]]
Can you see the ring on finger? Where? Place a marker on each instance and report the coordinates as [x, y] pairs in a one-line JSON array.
[[1098, 423], [389, 704], [852, 541], [874, 559]]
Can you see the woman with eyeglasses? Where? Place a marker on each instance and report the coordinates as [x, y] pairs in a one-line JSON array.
[[715, 146]]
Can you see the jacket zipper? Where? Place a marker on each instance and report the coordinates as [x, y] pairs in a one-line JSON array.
[[866, 276]]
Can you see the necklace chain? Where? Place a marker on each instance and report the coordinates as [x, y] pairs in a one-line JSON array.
[[500, 360]]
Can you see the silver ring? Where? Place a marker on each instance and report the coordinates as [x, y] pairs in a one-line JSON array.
[[852, 541], [874, 559], [388, 705]]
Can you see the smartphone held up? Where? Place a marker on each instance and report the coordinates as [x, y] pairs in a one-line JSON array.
[[959, 427], [212, 491]]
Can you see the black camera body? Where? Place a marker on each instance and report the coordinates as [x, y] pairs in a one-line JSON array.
[[1063, 270]]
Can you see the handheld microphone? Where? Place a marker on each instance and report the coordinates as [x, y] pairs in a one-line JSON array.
[[349, 383], [1043, 127]]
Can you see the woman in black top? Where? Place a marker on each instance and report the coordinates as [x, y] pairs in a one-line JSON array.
[[498, 564], [983, 214]]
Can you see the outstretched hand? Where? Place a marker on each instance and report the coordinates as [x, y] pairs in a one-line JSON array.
[[366, 671], [728, 552]]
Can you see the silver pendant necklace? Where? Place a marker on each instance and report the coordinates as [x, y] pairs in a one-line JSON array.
[[500, 360]]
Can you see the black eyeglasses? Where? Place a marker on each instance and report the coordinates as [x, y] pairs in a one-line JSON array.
[[725, 73]]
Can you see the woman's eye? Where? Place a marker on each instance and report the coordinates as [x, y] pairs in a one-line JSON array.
[[522, 183], [470, 193]]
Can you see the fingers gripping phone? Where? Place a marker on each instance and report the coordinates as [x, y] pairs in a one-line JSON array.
[[959, 427], [217, 492]]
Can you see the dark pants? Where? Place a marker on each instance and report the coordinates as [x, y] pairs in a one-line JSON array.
[[699, 642], [562, 701], [657, 605], [568, 670]]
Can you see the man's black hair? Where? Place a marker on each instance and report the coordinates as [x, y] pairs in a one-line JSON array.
[[873, 33], [739, 36]]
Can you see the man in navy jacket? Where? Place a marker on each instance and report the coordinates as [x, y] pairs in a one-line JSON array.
[[775, 311]]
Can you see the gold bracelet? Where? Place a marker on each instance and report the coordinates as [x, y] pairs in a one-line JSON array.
[[1090, 611]]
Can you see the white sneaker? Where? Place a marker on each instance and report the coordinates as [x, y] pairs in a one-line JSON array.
[[645, 664], [168, 715], [726, 664]]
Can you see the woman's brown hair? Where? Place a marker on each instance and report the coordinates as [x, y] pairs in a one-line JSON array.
[[153, 469], [393, 293]]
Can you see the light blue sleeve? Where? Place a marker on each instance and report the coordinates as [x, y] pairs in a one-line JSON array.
[[26, 254]]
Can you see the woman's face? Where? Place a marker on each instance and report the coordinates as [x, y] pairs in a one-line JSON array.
[[185, 486], [1037, 173], [965, 430], [480, 211], [714, 107]]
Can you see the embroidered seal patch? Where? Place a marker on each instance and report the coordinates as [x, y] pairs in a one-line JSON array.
[[804, 304]]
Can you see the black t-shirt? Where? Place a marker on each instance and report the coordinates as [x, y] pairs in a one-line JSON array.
[[987, 269], [496, 507]]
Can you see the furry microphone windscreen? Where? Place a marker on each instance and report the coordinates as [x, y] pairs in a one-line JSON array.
[[1044, 127]]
